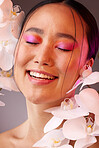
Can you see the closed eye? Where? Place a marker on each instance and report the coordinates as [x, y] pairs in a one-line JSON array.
[[33, 43], [63, 49]]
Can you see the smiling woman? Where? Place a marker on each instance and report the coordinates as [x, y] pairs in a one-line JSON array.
[[55, 52]]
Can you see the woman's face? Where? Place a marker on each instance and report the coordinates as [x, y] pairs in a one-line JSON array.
[[50, 54]]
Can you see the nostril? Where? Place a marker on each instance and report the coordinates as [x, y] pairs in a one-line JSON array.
[[45, 63], [36, 62]]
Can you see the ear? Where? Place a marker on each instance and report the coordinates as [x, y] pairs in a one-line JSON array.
[[88, 63]]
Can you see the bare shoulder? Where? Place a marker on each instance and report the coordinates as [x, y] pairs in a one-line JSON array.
[[10, 138]]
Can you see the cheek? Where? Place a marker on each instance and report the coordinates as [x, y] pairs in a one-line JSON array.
[[68, 62], [21, 57], [62, 61]]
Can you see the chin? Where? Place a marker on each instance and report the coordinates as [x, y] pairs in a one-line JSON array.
[[36, 99]]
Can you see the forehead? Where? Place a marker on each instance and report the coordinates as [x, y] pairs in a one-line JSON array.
[[56, 17]]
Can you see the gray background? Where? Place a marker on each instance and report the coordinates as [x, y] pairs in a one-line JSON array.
[[15, 113]]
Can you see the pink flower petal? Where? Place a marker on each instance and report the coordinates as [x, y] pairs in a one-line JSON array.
[[75, 128], [90, 99], [53, 123], [86, 142]]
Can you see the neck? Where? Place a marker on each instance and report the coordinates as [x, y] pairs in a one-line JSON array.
[[32, 130], [37, 119]]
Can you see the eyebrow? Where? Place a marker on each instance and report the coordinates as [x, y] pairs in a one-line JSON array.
[[34, 29], [41, 31], [65, 35]]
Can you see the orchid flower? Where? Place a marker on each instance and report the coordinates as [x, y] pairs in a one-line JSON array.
[[7, 53], [11, 18], [10, 25], [82, 131], [86, 80], [69, 109], [8, 12], [53, 139], [89, 98]]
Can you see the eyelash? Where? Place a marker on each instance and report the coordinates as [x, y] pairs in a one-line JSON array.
[[63, 49], [33, 43]]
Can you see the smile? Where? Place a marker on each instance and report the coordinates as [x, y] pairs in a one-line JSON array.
[[41, 77]]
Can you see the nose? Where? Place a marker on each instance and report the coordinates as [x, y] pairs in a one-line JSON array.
[[44, 56]]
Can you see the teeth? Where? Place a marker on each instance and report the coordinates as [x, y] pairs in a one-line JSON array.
[[40, 75]]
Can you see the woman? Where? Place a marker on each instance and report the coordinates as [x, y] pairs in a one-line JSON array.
[[58, 41]]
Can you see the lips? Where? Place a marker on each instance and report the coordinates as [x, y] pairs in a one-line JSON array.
[[40, 77]]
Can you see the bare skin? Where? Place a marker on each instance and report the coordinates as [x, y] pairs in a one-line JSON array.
[[25, 135]]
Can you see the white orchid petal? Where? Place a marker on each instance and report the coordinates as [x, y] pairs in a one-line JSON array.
[[75, 128], [83, 107], [2, 103], [8, 83], [3, 24], [6, 8], [90, 98], [86, 142], [1, 1], [95, 130], [91, 79], [11, 46], [49, 138], [71, 114], [53, 123], [97, 119], [51, 110], [1, 15], [66, 146], [17, 23], [68, 114], [6, 60], [5, 31]]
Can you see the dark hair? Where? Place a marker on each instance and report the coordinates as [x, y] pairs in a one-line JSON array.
[[92, 31]]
